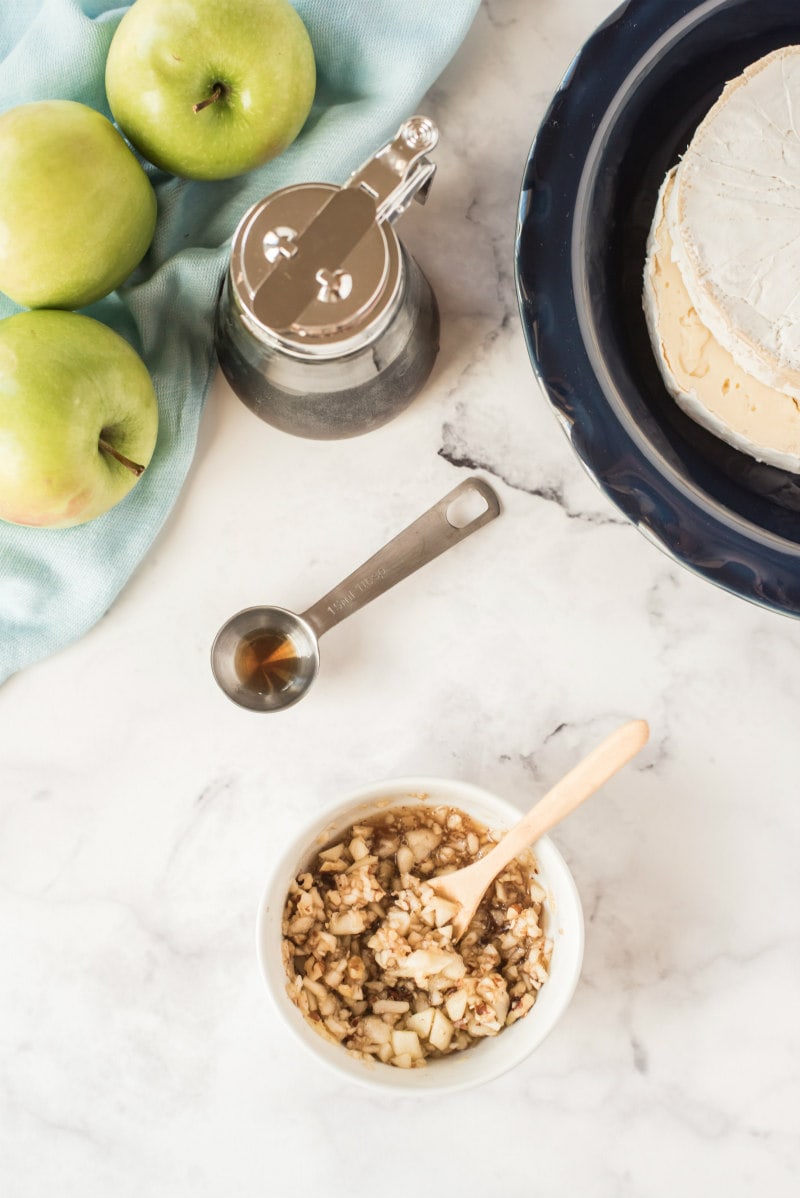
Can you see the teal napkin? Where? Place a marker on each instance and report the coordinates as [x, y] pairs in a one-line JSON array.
[[375, 60]]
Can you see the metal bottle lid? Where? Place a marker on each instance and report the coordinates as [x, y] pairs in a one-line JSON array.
[[315, 268]]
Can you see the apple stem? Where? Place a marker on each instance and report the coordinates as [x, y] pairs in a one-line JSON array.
[[134, 467], [217, 92]]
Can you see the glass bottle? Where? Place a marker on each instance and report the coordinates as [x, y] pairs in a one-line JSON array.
[[326, 326]]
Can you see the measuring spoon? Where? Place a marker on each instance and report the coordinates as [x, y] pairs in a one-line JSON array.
[[265, 658]]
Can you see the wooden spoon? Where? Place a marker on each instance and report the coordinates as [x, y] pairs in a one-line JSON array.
[[467, 886]]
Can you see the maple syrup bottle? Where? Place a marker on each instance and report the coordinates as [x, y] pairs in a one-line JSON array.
[[326, 326]]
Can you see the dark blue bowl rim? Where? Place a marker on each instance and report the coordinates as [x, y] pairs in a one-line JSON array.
[[726, 549]]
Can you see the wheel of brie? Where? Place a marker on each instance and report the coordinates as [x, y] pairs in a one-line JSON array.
[[722, 279], [701, 375]]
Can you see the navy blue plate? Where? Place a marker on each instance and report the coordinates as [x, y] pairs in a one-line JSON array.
[[623, 114]]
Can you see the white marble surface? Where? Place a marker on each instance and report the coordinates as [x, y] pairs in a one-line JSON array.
[[140, 812]]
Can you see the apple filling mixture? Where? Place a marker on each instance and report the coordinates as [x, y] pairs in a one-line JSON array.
[[368, 947]]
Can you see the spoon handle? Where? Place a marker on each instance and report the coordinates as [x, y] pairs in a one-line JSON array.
[[574, 788], [437, 530]]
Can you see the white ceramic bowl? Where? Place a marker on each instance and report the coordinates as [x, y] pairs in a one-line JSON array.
[[493, 1056]]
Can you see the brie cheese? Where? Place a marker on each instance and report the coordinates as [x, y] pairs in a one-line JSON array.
[[734, 220], [701, 375]]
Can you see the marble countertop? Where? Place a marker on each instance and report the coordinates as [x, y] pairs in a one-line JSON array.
[[141, 813]]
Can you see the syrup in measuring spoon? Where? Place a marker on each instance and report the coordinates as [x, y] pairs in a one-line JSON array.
[[266, 662]]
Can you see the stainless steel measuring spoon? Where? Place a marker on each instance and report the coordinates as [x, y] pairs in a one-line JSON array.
[[265, 658]]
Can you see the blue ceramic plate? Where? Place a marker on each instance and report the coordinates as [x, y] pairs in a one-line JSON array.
[[623, 115]]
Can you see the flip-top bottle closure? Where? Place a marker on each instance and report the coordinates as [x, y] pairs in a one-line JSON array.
[[320, 264]]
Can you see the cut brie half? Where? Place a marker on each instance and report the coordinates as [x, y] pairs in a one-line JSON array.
[[701, 374], [734, 219]]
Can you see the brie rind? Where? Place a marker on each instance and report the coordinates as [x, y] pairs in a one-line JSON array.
[[734, 219], [702, 376]]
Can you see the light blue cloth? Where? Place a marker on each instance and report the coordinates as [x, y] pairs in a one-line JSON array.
[[375, 60]]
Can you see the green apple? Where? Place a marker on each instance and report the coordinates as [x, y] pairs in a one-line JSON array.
[[209, 89], [78, 418], [77, 211]]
